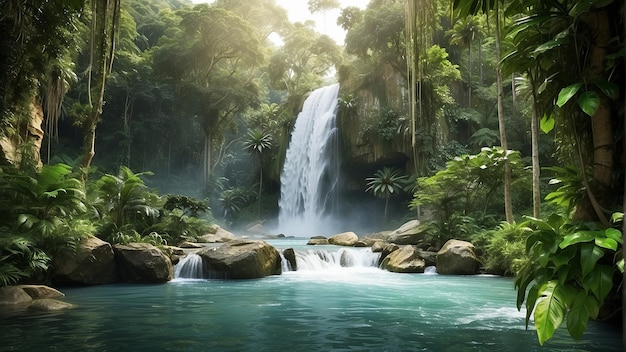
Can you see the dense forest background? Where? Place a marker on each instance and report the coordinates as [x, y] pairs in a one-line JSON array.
[[146, 120]]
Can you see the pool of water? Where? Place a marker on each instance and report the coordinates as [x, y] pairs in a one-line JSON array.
[[334, 309]]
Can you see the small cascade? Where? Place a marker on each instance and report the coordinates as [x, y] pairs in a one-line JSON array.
[[189, 267], [430, 270], [321, 259]]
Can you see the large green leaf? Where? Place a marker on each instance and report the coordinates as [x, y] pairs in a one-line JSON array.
[[583, 307], [589, 256], [611, 90], [567, 93], [607, 243], [547, 123], [614, 234], [600, 281], [589, 102], [550, 310], [577, 237]]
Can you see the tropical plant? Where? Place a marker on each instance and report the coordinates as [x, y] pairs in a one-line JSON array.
[[505, 247], [258, 142], [385, 183], [19, 258], [125, 203], [571, 273]]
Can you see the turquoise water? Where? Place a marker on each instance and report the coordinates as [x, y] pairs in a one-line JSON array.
[[337, 309]]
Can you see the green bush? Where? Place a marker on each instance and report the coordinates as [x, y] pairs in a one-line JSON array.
[[504, 248]]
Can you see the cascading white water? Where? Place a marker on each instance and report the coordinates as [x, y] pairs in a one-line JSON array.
[[189, 267], [322, 259], [311, 170]]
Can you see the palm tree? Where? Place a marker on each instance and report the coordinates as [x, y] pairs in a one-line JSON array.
[[257, 143], [463, 34], [385, 183]]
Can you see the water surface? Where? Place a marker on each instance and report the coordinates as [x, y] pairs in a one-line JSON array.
[[334, 309]]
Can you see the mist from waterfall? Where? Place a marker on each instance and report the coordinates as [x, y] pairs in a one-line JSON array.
[[308, 197]]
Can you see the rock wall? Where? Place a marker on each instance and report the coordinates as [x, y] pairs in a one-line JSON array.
[[364, 149]]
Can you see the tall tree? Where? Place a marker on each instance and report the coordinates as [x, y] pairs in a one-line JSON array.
[[220, 53], [105, 17]]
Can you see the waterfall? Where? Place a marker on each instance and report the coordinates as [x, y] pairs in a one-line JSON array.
[[189, 267], [311, 170], [321, 259]]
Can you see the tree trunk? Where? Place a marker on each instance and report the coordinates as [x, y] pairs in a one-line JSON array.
[[469, 73], [601, 122], [534, 133], [503, 142]]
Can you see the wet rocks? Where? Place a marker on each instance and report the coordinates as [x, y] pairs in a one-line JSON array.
[[241, 259], [142, 263], [457, 258]]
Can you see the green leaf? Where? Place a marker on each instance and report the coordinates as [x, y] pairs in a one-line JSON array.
[[531, 299], [607, 243], [567, 93], [547, 123], [550, 310], [611, 90], [549, 45], [583, 307], [577, 237], [600, 281], [614, 234], [620, 265], [589, 256], [589, 102]]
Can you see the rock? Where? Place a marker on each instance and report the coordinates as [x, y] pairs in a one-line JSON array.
[[188, 244], [256, 229], [93, 263], [387, 249], [173, 250], [344, 239], [317, 240], [409, 233], [360, 244], [457, 258], [290, 257], [378, 246], [404, 260], [41, 291], [429, 257], [14, 295], [49, 305], [142, 263], [241, 259], [219, 236]]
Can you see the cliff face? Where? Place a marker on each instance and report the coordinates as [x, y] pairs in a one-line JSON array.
[[33, 134], [374, 126]]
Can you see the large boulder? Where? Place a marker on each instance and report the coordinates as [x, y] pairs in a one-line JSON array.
[[344, 239], [241, 259], [317, 240], [142, 263], [93, 263], [41, 291], [49, 305], [218, 236], [404, 260], [409, 233], [38, 297], [14, 295], [457, 258]]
